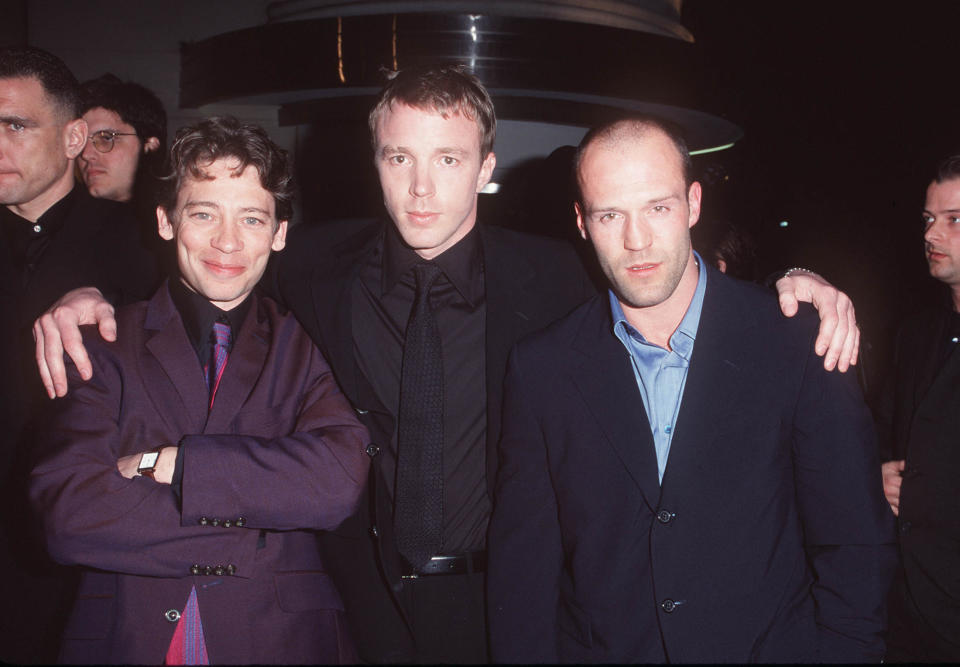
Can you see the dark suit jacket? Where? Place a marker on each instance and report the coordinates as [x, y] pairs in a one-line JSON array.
[[279, 456], [530, 282], [919, 422], [769, 539]]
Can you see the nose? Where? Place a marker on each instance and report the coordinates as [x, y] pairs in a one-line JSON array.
[[421, 183], [636, 234], [227, 238], [88, 152], [933, 231]]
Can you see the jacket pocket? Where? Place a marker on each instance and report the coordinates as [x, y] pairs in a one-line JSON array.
[[306, 591]]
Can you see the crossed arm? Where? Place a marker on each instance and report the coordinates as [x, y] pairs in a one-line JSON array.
[[57, 331]]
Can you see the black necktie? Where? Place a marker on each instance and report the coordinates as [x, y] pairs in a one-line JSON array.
[[418, 516]]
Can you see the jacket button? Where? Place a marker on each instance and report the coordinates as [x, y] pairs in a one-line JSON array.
[[208, 570], [231, 569], [219, 570], [227, 523], [172, 615], [241, 522], [195, 569], [203, 521], [372, 450], [214, 522], [668, 605], [663, 516], [905, 527]]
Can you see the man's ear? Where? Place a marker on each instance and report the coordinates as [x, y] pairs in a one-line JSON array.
[[280, 237], [486, 171], [693, 202], [580, 224], [164, 224], [151, 145], [74, 137]]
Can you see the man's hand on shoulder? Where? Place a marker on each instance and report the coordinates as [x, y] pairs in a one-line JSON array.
[[892, 472], [838, 340], [162, 472], [58, 331]]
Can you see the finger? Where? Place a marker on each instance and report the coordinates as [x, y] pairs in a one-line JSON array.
[[106, 321], [901, 464], [787, 297], [835, 347], [849, 352], [856, 349], [73, 346], [53, 354], [41, 362], [826, 335]]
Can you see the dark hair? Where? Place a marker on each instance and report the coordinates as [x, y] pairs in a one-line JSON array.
[[633, 126], [718, 240], [198, 146], [54, 76], [136, 105], [947, 169], [446, 89]]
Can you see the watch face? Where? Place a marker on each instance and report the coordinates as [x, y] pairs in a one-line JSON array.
[[148, 461]]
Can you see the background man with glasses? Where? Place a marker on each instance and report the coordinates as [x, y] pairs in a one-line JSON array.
[[53, 237]]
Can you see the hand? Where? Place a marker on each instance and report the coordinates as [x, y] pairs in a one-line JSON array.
[[58, 330], [163, 473], [838, 340], [892, 472]]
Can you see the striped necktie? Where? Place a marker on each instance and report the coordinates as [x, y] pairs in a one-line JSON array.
[[221, 340]]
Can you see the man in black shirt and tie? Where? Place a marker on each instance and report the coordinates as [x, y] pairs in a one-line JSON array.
[[410, 563]]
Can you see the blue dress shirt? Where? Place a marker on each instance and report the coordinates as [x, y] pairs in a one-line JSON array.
[[661, 374]]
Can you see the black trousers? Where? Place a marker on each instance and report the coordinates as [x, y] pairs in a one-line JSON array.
[[448, 618], [911, 638]]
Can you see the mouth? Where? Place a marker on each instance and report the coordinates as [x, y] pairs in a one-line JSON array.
[[421, 217], [643, 268], [224, 270], [934, 255]]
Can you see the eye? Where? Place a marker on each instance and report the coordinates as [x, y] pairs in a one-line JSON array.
[[608, 217], [927, 219], [397, 159], [15, 126], [449, 161], [201, 215], [660, 209], [953, 219], [252, 221]]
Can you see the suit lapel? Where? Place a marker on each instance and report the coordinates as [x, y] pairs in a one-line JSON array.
[[171, 363], [244, 366], [714, 377], [604, 376]]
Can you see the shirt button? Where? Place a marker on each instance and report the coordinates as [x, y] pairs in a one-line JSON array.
[[668, 605], [37, 228], [905, 527], [172, 615], [372, 450], [663, 516], [374, 531], [667, 429]]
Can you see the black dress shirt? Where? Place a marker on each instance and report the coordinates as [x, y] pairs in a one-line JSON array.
[[381, 303], [27, 240]]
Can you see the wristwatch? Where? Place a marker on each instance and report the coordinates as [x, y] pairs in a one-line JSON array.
[[148, 462]]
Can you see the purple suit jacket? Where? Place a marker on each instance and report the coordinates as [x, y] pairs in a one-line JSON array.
[[280, 455]]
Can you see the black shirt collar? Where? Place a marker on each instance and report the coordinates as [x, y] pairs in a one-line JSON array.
[[198, 314], [21, 232], [462, 263]]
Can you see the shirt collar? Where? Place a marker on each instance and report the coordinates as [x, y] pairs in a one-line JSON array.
[[681, 341], [52, 219], [198, 314], [462, 263]]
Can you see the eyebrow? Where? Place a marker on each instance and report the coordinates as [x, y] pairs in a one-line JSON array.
[[19, 120]]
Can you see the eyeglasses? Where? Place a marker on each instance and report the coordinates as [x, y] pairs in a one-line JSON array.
[[103, 139]]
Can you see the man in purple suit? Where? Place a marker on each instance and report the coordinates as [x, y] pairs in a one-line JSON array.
[[191, 473]]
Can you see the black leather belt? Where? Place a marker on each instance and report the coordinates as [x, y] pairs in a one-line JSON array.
[[474, 561]]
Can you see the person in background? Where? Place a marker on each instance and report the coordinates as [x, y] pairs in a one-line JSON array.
[[918, 423]]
